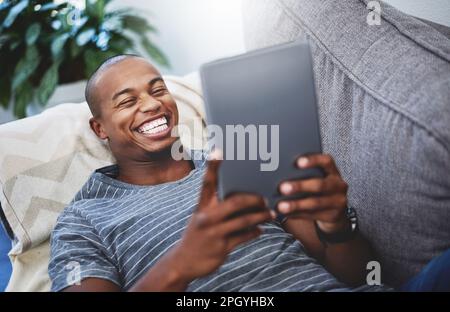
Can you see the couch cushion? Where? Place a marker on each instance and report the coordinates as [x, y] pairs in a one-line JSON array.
[[384, 104], [45, 159]]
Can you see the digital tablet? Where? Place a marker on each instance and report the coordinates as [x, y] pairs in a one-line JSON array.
[[264, 103]]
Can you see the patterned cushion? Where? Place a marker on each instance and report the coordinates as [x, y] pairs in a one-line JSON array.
[[45, 159]]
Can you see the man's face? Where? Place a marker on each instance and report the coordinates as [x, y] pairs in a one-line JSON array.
[[137, 111]]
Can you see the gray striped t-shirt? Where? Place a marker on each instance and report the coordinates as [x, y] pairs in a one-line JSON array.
[[117, 231]]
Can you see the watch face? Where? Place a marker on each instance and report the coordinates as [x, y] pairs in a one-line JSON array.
[[351, 214], [341, 237]]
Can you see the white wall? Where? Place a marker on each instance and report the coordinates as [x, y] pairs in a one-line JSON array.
[[437, 11], [193, 32], [196, 31]]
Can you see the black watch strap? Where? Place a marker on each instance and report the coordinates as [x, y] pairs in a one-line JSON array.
[[343, 236]]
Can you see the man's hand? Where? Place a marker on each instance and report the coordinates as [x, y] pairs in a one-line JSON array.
[[328, 200], [326, 206], [213, 232]]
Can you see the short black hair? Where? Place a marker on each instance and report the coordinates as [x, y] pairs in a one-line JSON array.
[[89, 93]]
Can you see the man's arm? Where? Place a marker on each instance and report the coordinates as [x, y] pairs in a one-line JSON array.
[[326, 206], [163, 276], [347, 261]]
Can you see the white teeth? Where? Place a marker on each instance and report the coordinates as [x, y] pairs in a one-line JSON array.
[[156, 130], [153, 125]]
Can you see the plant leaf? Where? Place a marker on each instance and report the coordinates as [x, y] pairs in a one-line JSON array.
[[4, 39], [32, 33], [95, 8], [74, 49], [48, 84], [58, 44], [116, 13], [120, 43], [23, 97], [137, 24], [14, 44], [14, 12], [4, 5], [5, 91], [154, 52], [52, 6], [26, 66], [85, 36]]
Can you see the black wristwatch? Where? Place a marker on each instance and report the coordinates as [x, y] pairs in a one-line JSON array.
[[343, 236]]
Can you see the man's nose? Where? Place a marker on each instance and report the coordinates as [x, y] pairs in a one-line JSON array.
[[149, 104]]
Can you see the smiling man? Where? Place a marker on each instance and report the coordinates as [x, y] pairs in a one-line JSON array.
[[151, 223]]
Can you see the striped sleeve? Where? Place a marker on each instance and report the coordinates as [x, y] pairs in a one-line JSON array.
[[77, 253]]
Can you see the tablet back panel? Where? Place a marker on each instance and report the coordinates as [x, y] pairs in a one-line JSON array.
[[269, 87]]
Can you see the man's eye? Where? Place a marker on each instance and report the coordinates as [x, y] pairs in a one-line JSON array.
[[159, 91], [127, 102]]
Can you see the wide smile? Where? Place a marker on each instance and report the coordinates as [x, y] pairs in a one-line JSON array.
[[156, 129]]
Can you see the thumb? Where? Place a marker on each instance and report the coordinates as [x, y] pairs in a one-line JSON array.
[[209, 187]]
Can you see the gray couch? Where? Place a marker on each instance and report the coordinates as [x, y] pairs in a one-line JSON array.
[[384, 102]]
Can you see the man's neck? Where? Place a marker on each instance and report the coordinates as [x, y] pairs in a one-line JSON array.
[[159, 169]]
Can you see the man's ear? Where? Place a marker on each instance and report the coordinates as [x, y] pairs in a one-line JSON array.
[[97, 128]]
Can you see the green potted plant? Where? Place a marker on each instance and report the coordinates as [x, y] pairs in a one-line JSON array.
[[45, 43]]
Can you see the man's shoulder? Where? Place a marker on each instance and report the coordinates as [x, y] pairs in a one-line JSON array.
[[96, 189], [98, 180]]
